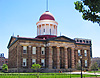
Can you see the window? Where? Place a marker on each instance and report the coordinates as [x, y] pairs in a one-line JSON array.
[[50, 31], [33, 61], [43, 31], [34, 50], [79, 61], [24, 49], [6, 61], [85, 52], [77, 40], [90, 42], [24, 61], [42, 62], [86, 41], [43, 51], [79, 53], [81, 41], [85, 63]]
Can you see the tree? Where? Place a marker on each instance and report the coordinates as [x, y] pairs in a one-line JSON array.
[[90, 10], [36, 67], [94, 67], [78, 66], [4, 67]]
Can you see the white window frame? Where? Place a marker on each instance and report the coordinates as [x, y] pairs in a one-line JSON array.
[[24, 61], [33, 61], [79, 61], [24, 48], [43, 50], [43, 61], [86, 63], [79, 52], [33, 50], [85, 52]]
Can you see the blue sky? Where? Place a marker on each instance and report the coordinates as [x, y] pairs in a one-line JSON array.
[[20, 17]]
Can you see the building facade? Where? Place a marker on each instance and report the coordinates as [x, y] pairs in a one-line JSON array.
[[47, 49], [3, 60]]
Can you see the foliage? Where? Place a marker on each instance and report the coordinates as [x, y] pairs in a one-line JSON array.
[[4, 67], [78, 66], [94, 67], [36, 66], [90, 10]]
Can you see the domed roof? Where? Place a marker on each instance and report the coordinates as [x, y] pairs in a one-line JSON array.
[[47, 16]]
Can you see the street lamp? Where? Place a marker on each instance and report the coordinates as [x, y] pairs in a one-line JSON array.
[[81, 64], [70, 72]]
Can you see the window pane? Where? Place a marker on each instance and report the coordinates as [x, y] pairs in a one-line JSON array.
[[34, 50], [43, 50], [24, 49], [85, 52], [78, 52], [24, 61], [33, 61]]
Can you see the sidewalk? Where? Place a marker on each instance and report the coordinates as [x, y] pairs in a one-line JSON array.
[[82, 73]]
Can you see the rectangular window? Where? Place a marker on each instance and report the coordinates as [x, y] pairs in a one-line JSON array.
[[42, 62], [85, 63], [79, 61], [34, 50], [43, 51], [50, 31], [44, 31], [79, 53], [25, 49], [85, 52], [33, 61], [24, 61]]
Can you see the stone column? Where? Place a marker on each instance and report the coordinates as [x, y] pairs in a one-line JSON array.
[[29, 57], [66, 58], [50, 57], [38, 55], [89, 58], [73, 59], [58, 57]]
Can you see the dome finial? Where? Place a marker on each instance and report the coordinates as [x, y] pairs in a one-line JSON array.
[[47, 6]]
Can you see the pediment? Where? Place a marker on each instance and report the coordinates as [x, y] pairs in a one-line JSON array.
[[12, 39], [63, 38]]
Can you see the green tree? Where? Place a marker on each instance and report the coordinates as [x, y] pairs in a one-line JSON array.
[[78, 66], [90, 10], [5, 67], [36, 67], [94, 67]]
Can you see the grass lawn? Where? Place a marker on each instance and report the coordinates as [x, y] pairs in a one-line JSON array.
[[42, 75]]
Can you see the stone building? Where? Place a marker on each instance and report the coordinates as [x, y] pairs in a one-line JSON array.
[[47, 49], [3, 60]]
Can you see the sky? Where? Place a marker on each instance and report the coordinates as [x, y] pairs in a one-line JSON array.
[[19, 17]]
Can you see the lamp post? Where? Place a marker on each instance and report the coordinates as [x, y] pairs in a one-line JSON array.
[[70, 72], [81, 65]]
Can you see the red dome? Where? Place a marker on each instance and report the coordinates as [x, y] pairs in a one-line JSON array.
[[47, 16]]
